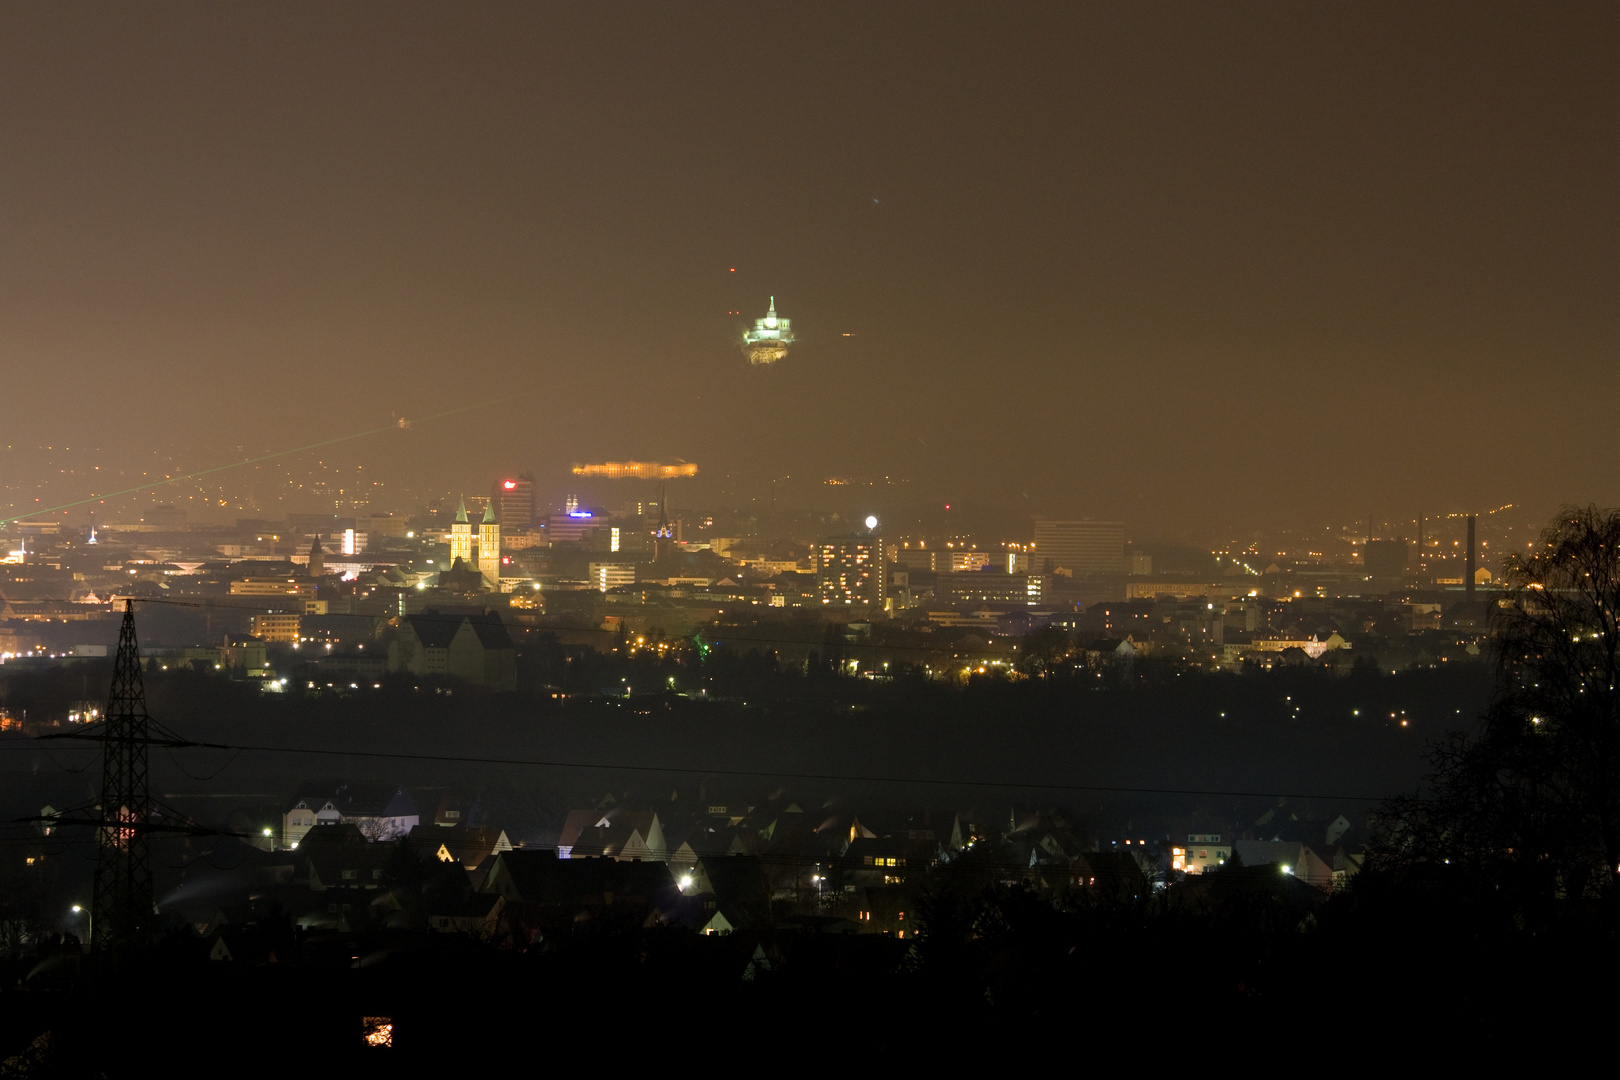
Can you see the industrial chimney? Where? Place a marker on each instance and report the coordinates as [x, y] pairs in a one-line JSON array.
[[1468, 572]]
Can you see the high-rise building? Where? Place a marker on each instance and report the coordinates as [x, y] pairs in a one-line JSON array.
[[489, 546], [1080, 547], [513, 499], [611, 575], [852, 570]]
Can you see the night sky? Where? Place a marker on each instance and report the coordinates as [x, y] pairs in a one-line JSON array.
[[1189, 264]]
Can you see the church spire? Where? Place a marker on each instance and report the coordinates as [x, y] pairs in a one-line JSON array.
[[489, 547], [461, 536]]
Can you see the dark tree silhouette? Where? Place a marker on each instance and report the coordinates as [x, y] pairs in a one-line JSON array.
[[1531, 802]]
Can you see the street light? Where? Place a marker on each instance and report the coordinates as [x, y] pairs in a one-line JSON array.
[[90, 928]]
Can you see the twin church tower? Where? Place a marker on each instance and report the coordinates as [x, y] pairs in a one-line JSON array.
[[489, 543]]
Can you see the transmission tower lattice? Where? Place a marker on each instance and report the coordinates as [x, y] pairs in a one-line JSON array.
[[123, 900]]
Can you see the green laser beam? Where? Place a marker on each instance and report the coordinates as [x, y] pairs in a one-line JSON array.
[[393, 426]]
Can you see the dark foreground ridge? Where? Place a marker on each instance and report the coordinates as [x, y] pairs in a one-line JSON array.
[[1249, 949]]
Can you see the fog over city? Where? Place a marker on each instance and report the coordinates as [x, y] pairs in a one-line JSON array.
[[1201, 269], [949, 524]]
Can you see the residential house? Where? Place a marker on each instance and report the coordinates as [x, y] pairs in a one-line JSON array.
[[547, 896], [1290, 857], [617, 834], [1201, 853], [379, 813]]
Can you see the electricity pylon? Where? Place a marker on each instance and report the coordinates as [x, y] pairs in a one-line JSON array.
[[123, 899]]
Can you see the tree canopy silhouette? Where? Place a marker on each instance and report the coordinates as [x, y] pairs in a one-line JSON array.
[[1529, 805]]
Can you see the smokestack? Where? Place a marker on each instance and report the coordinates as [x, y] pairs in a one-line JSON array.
[[1468, 571]]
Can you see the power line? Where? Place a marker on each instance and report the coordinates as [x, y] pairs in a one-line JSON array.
[[832, 777], [267, 603]]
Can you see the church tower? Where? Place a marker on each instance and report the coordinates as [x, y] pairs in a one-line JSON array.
[[317, 558], [461, 537], [489, 546]]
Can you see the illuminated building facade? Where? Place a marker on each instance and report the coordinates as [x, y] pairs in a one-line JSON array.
[[489, 546], [962, 561], [610, 575], [272, 586], [461, 538], [852, 570], [280, 629], [1080, 547], [1204, 852], [575, 524], [768, 341], [990, 587], [637, 470]]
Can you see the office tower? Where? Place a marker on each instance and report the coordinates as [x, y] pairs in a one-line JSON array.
[[513, 499], [1080, 547]]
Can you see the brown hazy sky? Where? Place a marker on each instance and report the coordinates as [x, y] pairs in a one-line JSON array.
[[1186, 263]]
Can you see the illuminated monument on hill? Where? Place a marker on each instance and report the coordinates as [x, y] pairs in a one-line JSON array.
[[768, 341]]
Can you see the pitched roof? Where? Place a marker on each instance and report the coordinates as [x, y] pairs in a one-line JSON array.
[[539, 876], [612, 832], [737, 879], [491, 631], [327, 851], [433, 630], [401, 805], [469, 845], [357, 800]]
